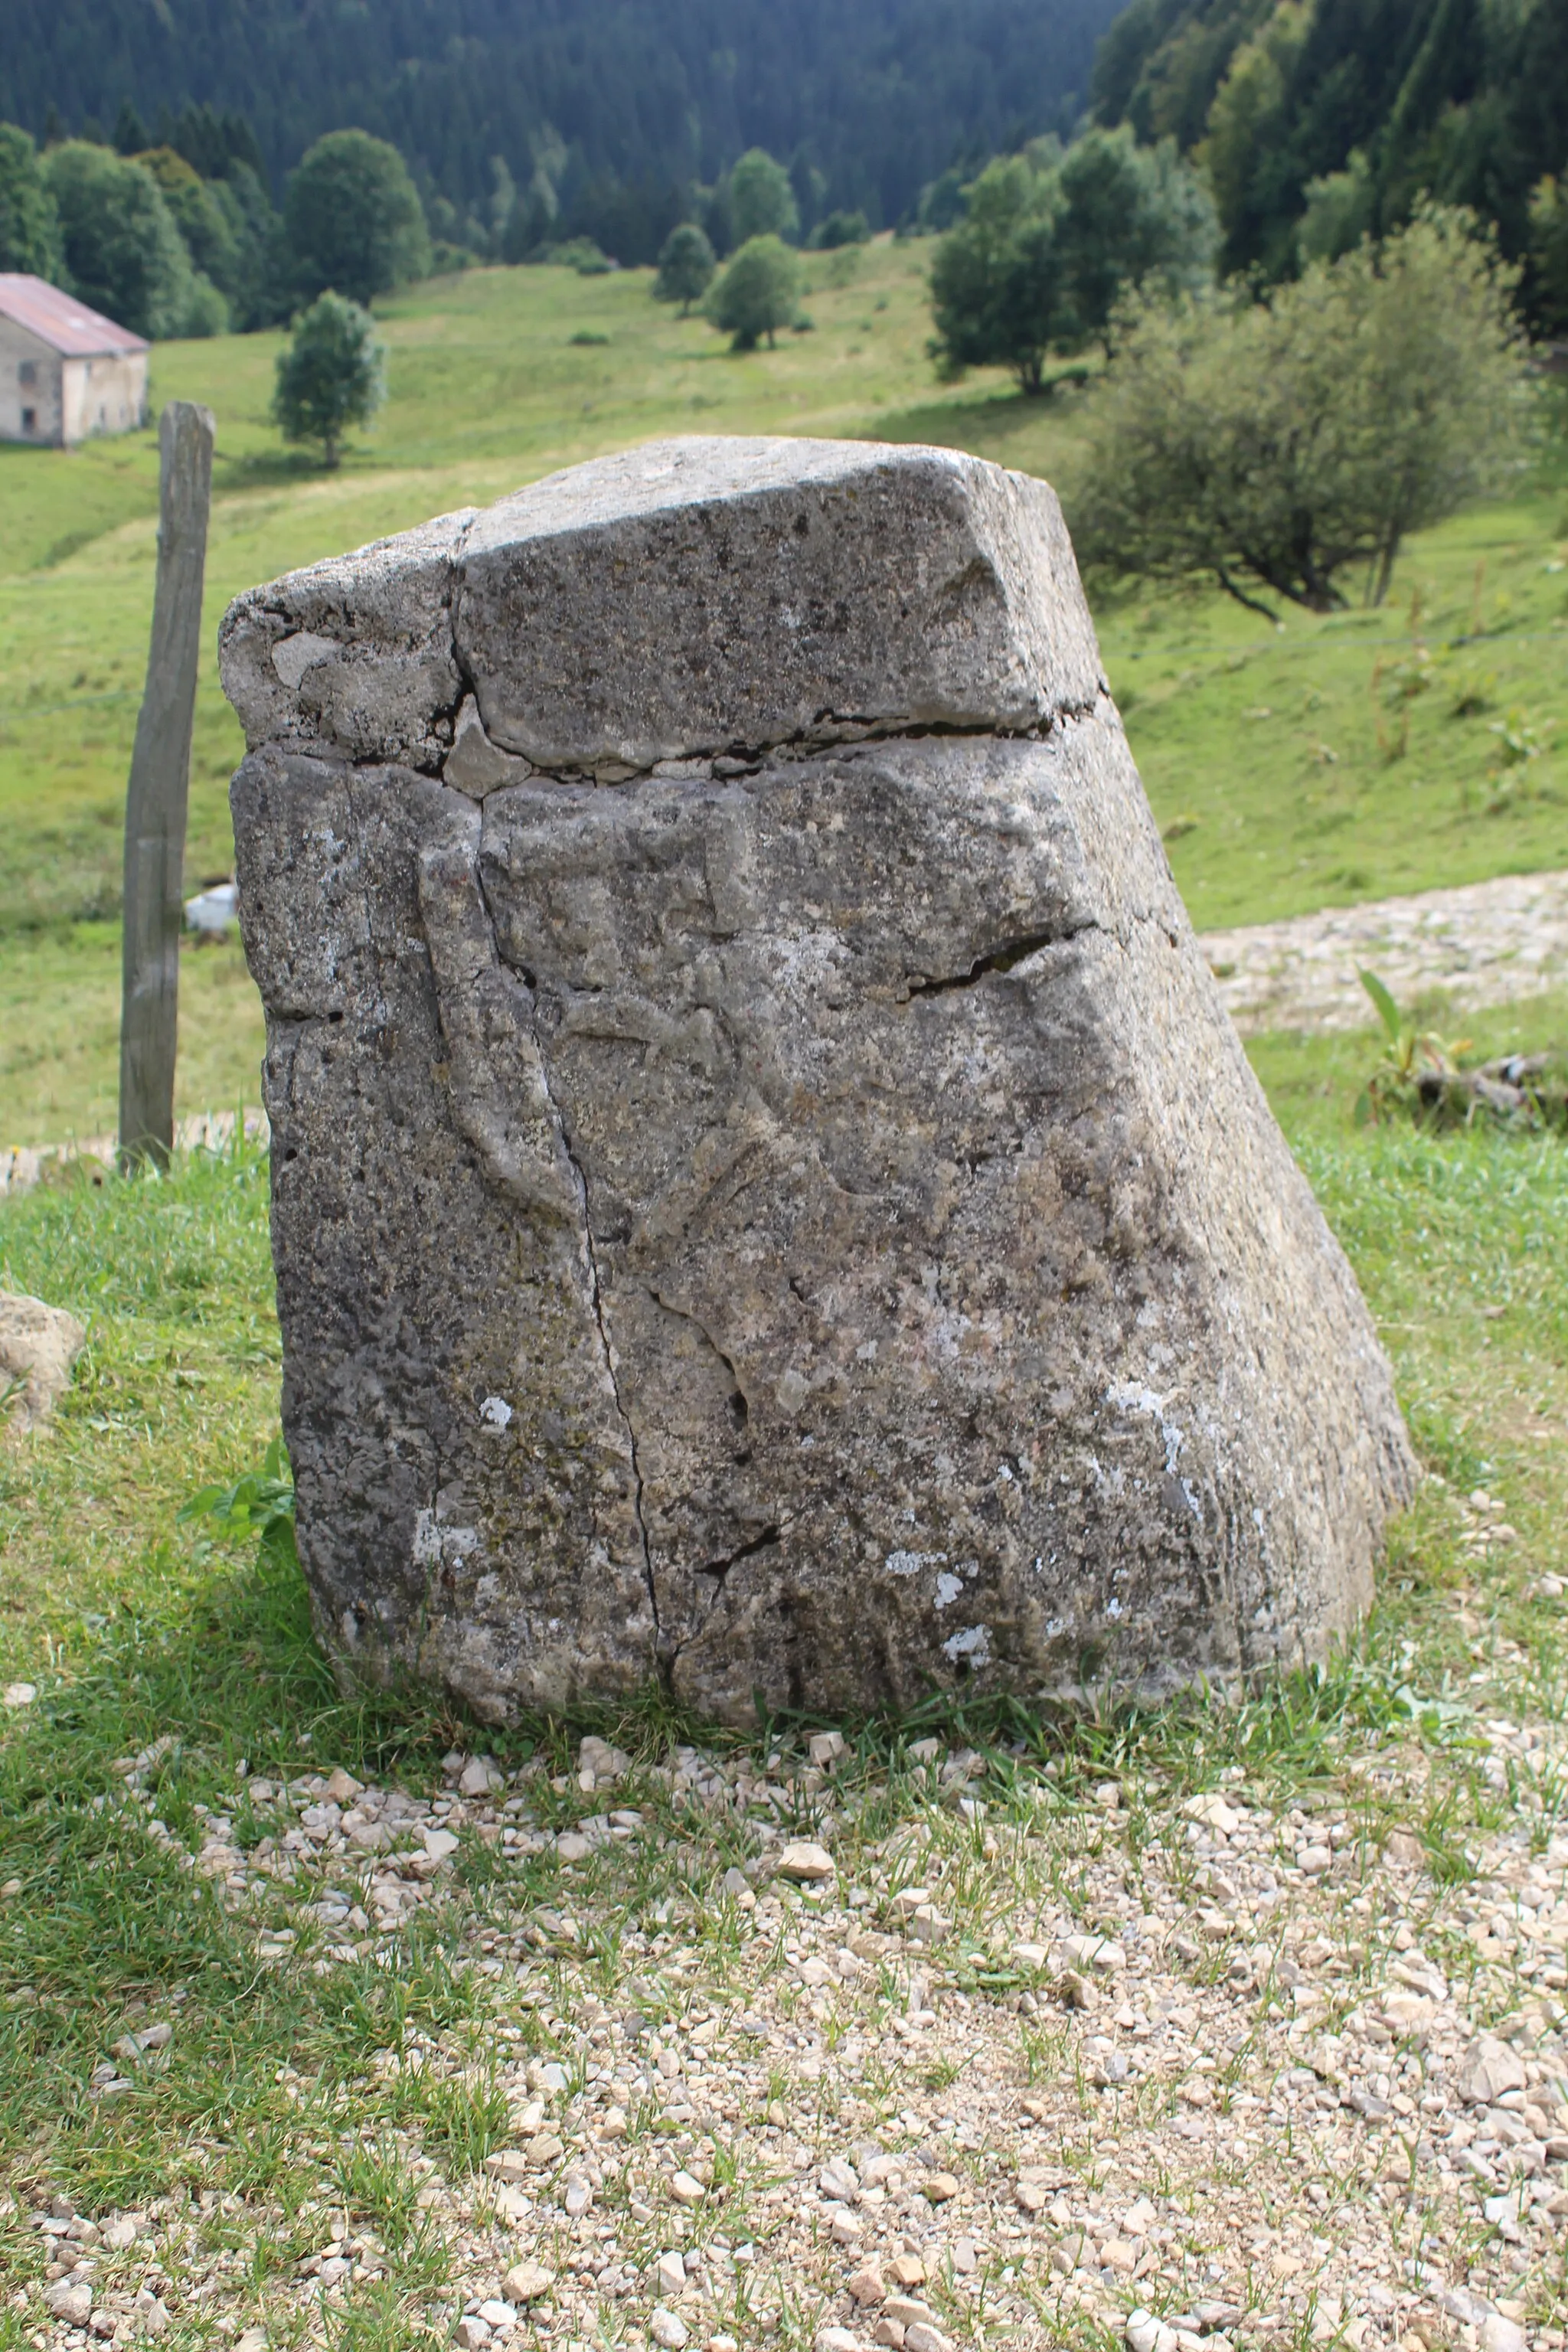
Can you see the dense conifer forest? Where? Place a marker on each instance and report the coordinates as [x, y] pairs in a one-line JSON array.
[[872, 97], [1345, 110]]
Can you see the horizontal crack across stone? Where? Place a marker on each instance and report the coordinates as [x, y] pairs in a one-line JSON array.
[[1002, 959]]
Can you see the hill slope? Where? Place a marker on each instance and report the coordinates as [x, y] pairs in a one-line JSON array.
[[877, 94]]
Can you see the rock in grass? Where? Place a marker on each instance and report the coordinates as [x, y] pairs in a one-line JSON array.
[[526, 2282], [1486, 2070], [805, 1861], [769, 1198], [38, 1346]]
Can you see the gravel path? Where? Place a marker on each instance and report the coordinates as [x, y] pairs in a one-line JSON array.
[[969, 2062], [24, 1165], [1486, 944]]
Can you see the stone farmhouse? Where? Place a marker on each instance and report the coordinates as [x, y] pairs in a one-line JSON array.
[[66, 372]]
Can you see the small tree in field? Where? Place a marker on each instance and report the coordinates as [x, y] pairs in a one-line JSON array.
[[686, 266], [332, 376], [756, 295], [998, 283], [762, 201], [1276, 447]]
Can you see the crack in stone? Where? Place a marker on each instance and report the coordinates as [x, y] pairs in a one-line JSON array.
[[1002, 959], [721, 1568], [743, 761], [685, 1315], [847, 732], [718, 1570], [595, 1293]]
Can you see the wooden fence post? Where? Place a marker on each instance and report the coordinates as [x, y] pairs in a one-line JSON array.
[[159, 790]]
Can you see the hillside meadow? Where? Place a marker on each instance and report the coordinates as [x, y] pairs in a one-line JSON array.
[[1312, 763], [307, 2153]]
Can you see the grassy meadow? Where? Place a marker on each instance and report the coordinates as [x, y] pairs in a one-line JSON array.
[[1317, 762], [291, 2103], [1323, 761]]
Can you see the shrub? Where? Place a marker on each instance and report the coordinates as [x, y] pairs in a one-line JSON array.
[[840, 228], [1279, 445]]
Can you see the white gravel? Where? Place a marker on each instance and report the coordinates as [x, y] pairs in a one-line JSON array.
[[1488, 943], [1208, 2075]]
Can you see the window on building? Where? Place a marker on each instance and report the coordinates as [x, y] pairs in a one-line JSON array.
[[30, 420], [27, 372]]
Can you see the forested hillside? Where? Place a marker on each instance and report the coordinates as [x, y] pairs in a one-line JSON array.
[[876, 95], [1331, 117]]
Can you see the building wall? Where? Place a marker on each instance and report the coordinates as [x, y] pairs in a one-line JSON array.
[[51, 401], [30, 388], [104, 396]]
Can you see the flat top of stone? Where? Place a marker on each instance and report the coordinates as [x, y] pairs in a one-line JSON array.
[[693, 471], [678, 600]]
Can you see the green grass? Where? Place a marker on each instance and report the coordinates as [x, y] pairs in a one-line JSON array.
[[275, 2102], [1283, 779]]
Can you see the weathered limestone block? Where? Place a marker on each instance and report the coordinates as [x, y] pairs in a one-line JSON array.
[[765, 1191]]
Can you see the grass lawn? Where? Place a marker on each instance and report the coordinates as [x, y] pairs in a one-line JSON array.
[[363, 2082], [1326, 760], [307, 2150]]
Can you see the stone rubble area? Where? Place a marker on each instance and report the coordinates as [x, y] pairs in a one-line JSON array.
[[1204, 2076], [24, 1165], [1486, 943]]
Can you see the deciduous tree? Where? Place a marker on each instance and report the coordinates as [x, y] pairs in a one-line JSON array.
[[1130, 216], [332, 376], [997, 281], [30, 225], [756, 293], [762, 201], [1276, 447], [1548, 252], [121, 250], [686, 266], [353, 219], [1049, 244]]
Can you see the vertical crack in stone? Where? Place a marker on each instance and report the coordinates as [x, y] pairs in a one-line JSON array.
[[596, 1290]]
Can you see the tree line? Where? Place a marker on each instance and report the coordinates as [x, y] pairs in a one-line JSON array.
[[864, 101], [1319, 122], [180, 237], [166, 248]]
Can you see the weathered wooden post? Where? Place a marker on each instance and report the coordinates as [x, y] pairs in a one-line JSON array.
[[159, 789]]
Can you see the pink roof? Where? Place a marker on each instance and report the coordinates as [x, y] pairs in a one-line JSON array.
[[58, 320]]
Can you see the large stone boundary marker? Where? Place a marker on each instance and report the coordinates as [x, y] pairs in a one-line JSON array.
[[765, 1191]]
